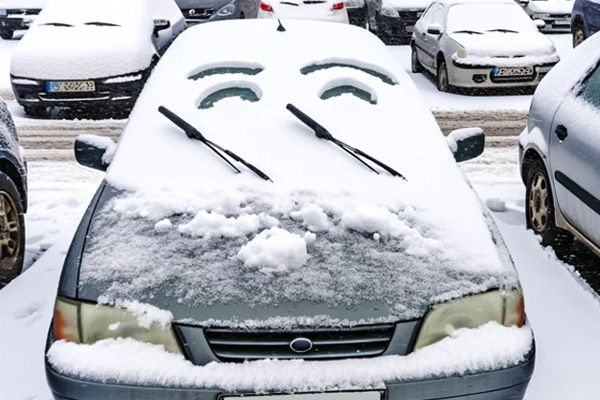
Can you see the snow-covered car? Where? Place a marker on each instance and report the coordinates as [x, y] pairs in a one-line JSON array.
[[16, 15], [325, 10], [585, 20], [555, 13], [560, 153], [13, 199], [481, 44], [92, 55], [395, 19], [198, 11], [266, 226], [357, 12]]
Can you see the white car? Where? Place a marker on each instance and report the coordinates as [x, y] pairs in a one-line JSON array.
[[18, 15], [325, 10], [481, 44], [285, 219], [555, 13], [92, 56]]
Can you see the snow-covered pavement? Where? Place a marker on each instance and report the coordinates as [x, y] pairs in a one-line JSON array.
[[565, 316]]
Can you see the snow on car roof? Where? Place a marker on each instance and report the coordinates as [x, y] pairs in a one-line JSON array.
[[326, 228]]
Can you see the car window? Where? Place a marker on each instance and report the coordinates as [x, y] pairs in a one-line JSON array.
[[243, 90], [591, 88], [433, 15], [339, 87]]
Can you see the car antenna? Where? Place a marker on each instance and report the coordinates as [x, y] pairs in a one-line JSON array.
[[280, 28], [324, 134], [195, 134]]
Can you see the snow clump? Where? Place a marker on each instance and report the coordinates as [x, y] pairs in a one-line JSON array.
[[163, 226], [206, 224], [274, 250], [496, 205], [313, 217]]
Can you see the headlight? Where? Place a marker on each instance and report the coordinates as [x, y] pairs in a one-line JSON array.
[[79, 322], [462, 53], [389, 12], [227, 9], [504, 307]]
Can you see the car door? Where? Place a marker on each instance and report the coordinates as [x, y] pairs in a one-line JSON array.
[[575, 157], [426, 43], [591, 10]]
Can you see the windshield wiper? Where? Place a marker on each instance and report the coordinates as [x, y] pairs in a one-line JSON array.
[[470, 32], [502, 30], [324, 134], [95, 23], [195, 134], [61, 24]]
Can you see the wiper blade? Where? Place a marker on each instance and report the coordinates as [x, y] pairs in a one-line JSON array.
[[502, 30], [61, 24], [195, 134], [324, 134], [470, 32], [97, 23]]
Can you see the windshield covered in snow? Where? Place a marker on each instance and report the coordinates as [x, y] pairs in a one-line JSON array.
[[488, 17]]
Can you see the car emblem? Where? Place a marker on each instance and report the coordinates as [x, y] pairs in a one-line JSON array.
[[301, 345], [192, 12]]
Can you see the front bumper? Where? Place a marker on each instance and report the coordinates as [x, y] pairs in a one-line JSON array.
[[32, 92], [15, 24], [560, 23], [473, 76], [503, 384], [400, 28]]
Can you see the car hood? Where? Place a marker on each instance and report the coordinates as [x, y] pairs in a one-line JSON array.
[[498, 44], [551, 7], [81, 52], [408, 4]]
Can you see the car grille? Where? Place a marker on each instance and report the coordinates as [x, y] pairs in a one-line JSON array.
[[197, 13], [236, 346], [29, 11]]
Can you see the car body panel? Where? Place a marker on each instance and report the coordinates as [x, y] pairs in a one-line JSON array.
[[555, 13], [321, 10], [200, 11], [587, 14]]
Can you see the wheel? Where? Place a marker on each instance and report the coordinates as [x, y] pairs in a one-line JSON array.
[[12, 231], [6, 34], [540, 211], [442, 77], [578, 35], [415, 64]]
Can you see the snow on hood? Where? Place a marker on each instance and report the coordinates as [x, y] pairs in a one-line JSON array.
[[353, 236], [79, 50], [408, 4], [506, 49], [550, 6], [468, 351]]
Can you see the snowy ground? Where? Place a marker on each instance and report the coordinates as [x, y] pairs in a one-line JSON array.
[[564, 313]]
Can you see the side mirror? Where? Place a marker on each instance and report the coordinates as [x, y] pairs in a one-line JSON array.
[[523, 2], [466, 144], [434, 29], [540, 23], [161, 25], [94, 151]]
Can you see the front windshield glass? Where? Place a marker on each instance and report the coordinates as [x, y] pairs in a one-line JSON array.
[[484, 17]]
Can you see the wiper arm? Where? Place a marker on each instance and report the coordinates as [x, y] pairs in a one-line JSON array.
[[195, 134], [323, 133]]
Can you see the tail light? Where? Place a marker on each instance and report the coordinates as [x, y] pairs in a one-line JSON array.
[[338, 6], [266, 7]]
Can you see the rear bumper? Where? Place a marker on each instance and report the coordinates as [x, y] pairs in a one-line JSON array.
[[503, 384]]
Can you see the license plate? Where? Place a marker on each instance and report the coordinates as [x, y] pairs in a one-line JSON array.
[[513, 71], [3, 13], [368, 395], [409, 29], [70, 86]]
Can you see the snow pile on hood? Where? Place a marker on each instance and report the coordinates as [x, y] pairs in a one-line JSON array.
[[468, 351], [560, 7], [349, 235], [20, 4], [407, 4], [84, 39], [499, 34]]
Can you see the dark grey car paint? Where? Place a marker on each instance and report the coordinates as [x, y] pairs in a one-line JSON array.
[[11, 162]]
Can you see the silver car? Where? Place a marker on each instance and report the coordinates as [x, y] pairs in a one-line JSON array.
[[481, 44], [198, 11], [560, 153]]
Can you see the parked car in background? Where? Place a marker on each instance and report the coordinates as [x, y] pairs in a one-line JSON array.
[[319, 265], [16, 15], [481, 45], [585, 20], [13, 199], [555, 13], [395, 19], [357, 12], [198, 11], [560, 153], [325, 10], [92, 55]]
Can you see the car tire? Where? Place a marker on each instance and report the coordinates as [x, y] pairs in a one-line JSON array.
[[578, 35], [540, 212], [6, 34], [441, 78], [12, 231], [415, 64]]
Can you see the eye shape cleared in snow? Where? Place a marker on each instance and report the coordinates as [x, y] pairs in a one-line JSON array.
[[225, 69], [338, 87], [244, 90], [371, 70]]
